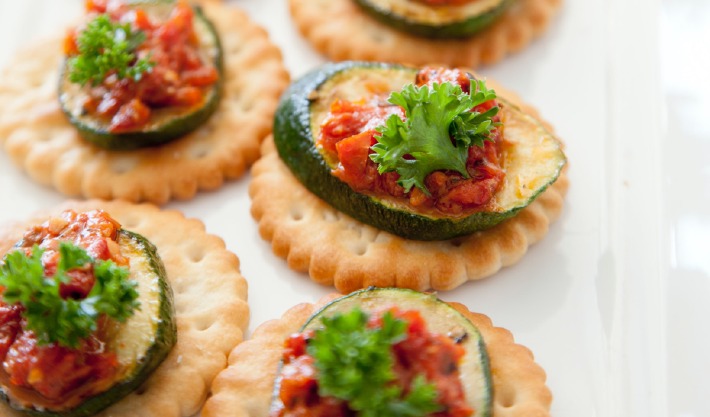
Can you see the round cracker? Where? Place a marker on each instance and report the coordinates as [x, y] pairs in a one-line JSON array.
[[210, 302], [337, 250], [245, 388], [341, 30], [39, 139]]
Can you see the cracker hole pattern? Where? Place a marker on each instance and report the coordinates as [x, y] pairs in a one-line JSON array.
[[355, 228], [195, 253], [505, 396], [359, 248], [123, 164], [331, 215], [296, 213], [457, 242], [203, 324], [235, 48], [180, 306], [200, 150]]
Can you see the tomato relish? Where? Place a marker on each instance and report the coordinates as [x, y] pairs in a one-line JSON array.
[[54, 372], [348, 132], [434, 356], [179, 76]]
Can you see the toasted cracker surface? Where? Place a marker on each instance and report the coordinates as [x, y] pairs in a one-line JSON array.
[[337, 250], [210, 302], [39, 139], [245, 388], [341, 30]]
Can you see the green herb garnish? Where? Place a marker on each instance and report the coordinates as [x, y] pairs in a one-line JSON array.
[[354, 364], [107, 47], [422, 143], [66, 321]]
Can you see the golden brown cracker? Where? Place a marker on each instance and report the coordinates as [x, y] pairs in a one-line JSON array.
[[39, 139], [210, 303], [245, 388], [341, 30]]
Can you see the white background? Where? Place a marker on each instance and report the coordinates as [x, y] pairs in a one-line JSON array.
[[614, 301]]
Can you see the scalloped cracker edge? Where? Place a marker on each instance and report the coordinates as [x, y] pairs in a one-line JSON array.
[[341, 30], [340, 251], [245, 388], [210, 302], [40, 140]]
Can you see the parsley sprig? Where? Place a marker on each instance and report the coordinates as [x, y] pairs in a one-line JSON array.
[[66, 321], [422, 143], [354, 364], [107, 47]]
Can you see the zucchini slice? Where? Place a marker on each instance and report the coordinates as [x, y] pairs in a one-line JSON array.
[[141, 343], [165, 124], [440, 318], [531, 156], [435, 21]]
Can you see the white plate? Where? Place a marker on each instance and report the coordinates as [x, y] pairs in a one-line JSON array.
[[612, 301]]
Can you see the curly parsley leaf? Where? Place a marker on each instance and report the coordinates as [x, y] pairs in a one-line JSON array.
[[70, 257], [422, 143], [113, 294], [107, 47], [473, 128], [54, 319], [355, 364]]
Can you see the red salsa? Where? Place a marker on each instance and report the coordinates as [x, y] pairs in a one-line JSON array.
[[179, 76], [52, 374], [434, 356], [348, 132]]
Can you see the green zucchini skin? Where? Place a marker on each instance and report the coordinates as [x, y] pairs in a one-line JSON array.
[[293, 137], [456, 29], [164, 340], [155, 135], [440, 317]]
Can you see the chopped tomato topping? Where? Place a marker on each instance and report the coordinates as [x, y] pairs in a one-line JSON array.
[[87, 229], [347, 119], [354, 154], [98, 6], [132, 114], [348, 133], [178, 78], [431, 75], [140, 20], [434, 356], [9, 326], [69, 46], [51, 370], [437, 358], [200, 76]]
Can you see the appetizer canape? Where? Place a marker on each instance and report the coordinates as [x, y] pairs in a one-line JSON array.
[[95, 316], [450, 169], [436, 18], [88, 315], [140, 74], [452, 32], [380, 352], [143, 101]]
